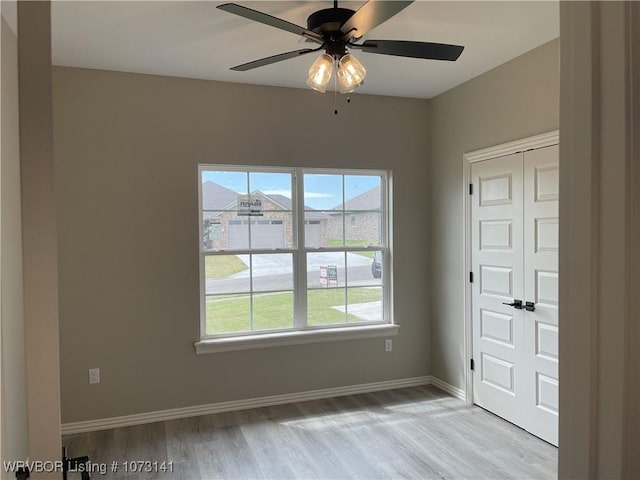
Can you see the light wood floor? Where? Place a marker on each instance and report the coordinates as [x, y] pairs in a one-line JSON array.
[[416, 432]]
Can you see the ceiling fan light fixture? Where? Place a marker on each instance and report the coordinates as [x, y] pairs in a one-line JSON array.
[[337, 29], [351, 73], [320, 73]]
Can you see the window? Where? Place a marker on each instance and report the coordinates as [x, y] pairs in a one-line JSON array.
[[292, 251]]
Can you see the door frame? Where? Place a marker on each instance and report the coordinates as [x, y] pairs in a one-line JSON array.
[[530, 143]]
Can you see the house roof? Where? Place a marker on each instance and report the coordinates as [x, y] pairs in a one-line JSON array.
[[369, 200], [217, 197], [281, 200]]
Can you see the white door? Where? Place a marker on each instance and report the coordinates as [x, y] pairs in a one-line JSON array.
[[541, 288], [497, 259], [514, 222]]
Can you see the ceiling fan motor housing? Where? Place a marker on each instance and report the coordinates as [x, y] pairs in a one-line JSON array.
[[328, 21]]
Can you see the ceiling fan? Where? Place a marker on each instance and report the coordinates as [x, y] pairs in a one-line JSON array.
[[337, 30]]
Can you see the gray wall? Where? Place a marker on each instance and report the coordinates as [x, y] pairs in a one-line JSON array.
[[600, 260], [515, 100], [39, 239], [14, 402], [126, 151]]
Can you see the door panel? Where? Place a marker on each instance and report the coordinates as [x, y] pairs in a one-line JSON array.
[[546, 235], [541, 287], [496, 235], [497, 327], [497, 372], [496, 190], [496, 281]]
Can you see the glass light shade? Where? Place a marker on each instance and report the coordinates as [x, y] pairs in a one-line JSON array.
[[351, 73], [320, 73]]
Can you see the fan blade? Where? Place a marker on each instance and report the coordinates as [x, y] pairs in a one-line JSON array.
[[370, 15], [272, 21], [275, 58], [400, 48]]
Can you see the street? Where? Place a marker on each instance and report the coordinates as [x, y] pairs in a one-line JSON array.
[[273, 272]]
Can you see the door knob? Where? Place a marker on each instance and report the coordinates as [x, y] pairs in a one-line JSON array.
[[530, 307], [517, 304]]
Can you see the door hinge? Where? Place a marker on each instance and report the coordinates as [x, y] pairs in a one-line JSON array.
[[470, 277], [472, 365], [471, 189]]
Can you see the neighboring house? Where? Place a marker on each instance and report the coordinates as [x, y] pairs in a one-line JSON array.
[[227, 215], [361, 218]]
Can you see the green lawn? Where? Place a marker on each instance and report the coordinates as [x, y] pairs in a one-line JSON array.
[[230, 313], [336, 242], [219, 266]]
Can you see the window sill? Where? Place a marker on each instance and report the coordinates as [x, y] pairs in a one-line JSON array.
[[294, 338]]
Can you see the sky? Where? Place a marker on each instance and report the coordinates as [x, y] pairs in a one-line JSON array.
[[320, 191]]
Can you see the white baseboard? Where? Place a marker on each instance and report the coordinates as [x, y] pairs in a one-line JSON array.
[[175, 413], [450, 389]]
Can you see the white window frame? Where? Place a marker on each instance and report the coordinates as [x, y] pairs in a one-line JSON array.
[[300, 332]]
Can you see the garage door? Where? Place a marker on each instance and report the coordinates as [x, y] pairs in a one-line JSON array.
[[264, 234], [313, 233]]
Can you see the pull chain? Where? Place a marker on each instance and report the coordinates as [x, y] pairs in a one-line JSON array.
[[335, 89]]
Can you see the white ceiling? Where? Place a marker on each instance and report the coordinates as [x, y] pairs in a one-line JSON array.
[[196, 40]]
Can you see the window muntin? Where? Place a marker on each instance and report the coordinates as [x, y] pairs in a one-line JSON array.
[[252, 250]]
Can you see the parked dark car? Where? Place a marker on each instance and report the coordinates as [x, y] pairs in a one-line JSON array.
[[376, 265]]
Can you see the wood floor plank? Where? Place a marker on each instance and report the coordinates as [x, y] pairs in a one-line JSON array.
[[227, 455], [276, 447], [413, 433]]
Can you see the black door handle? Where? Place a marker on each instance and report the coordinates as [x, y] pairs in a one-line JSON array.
[[517, 304], [530, 307]]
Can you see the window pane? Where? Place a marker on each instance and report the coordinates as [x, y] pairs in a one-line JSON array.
[[326, 306], [273, 310], [322, 192], [362, 192], [364, 268], [273, 230], [226, 274], [364, 304], [322, 229], [220, 189], [325, 269], [272, 272], [276, 186], [363, 229], [228, 314]]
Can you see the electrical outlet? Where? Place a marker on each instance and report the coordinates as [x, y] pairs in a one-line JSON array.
[[388, 345], [94, 375]]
